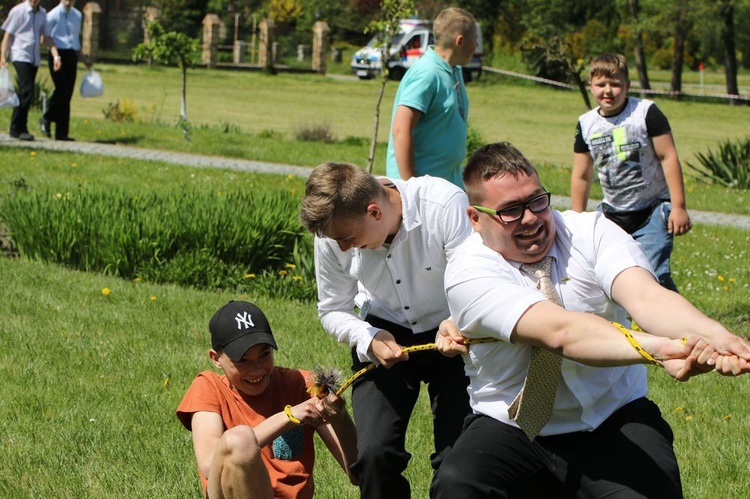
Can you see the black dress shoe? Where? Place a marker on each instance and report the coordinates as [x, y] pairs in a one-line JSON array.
[[25, 136], [44, 126]]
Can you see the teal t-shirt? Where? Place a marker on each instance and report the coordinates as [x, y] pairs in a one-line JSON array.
[[436, 89]]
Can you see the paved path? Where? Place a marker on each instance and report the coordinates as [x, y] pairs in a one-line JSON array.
[[200, 161]]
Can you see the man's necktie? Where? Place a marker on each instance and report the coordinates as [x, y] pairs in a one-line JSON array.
[[532, 407]]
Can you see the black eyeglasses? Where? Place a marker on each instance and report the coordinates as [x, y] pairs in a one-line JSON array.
[[510, 214]]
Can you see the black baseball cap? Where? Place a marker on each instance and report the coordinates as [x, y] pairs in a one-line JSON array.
[[238, 326]]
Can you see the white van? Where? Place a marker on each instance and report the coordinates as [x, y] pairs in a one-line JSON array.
[[408, 45]]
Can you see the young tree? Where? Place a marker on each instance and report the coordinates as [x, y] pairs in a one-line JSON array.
[[169, 48], [639, 52], [385, 26], [726, 12]]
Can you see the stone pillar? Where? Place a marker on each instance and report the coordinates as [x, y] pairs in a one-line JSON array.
[[209, 50], [92, 14], [267, 29], [150, 14], [320, 46]]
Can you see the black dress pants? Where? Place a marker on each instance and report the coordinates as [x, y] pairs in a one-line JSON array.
[[630, 455], [26, 74], [58, 110], [383, 401]]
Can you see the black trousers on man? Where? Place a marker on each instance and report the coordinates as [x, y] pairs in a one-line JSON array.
[[58, 109], [383, 401], [629, 455], [25, 74]]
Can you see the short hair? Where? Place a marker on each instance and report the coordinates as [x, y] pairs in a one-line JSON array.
[[335, 191], [609, 65], [490, 161], [450, 23]]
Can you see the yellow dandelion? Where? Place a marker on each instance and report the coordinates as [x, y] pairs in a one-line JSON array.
[[688, 418], [296, 277], [73, 165], [32, 153], [290, 176], [58, 195], [249, 276], [290, 266], [137, 279], [106, 291], [731, 279], [678, 409], [725, 288], [283, 272], [292, 192], [720, 278], [152, 298], [726, 417], [165, 382], [691, 189], [85, 122], [243, 296]]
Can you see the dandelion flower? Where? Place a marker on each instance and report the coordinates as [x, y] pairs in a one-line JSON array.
[[291, 266], [137, 279], [73, 165], [32, 153], [678, 409], [165, 382], [688, 418], [296, 277], [290, 176], [243, 296], [720, 278], [726, 417], [283, 272], [249, 276], [106, 291], [731, 279], [152, 298]]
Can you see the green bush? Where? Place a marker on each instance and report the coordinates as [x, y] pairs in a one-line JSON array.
[[728, 167], [202, 239]]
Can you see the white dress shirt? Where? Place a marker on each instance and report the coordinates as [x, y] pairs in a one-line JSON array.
[[65, 27], [403, 280], [26, 26], [488, 295]]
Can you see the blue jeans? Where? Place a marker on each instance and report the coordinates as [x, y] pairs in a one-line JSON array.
[[657, 243]]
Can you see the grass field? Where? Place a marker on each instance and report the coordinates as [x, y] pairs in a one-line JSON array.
[[92, 380]]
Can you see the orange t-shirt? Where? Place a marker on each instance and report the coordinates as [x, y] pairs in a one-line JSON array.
[[290, 458]]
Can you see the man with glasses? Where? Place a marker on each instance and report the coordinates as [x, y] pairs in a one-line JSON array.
[[559, 401]]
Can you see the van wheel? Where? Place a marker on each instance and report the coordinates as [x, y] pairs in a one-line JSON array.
[[396, 73]]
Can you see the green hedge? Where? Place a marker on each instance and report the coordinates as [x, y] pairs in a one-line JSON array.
[[237, 239]]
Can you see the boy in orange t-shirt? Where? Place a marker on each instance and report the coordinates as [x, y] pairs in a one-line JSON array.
[[253, 425]]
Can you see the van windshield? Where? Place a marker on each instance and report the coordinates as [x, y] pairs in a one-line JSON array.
[[394, 43]]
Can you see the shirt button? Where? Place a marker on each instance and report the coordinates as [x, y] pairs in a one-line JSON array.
[[414, 323], [389, 255], [398, 281], [406, 307]]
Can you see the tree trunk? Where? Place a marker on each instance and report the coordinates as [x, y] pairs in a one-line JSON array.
[[730, 52], [183, 103], [383, 80], [681, 27], [640, 56]]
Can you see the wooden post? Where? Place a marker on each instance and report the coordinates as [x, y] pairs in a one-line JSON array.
[[209, 49]]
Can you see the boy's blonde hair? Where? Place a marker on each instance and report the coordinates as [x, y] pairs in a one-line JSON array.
[[450, 23], [609, 65], [337, 191]]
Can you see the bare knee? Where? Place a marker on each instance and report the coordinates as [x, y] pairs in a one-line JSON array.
[[239, 447]]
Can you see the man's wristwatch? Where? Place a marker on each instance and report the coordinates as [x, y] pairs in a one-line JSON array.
[[58, 58]]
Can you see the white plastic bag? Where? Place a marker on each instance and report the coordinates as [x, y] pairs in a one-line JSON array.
[[8, 95], [92, 86]]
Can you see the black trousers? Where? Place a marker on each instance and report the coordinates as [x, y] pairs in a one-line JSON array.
[[630, 455], [383, 401], [58, 109], [26, 74]]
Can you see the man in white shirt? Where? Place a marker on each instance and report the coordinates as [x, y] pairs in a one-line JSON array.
[[64, 22], [603, 437], [24, 27], [381, 248]]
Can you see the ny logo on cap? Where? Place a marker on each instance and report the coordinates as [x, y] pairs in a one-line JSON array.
[[244, 318]]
